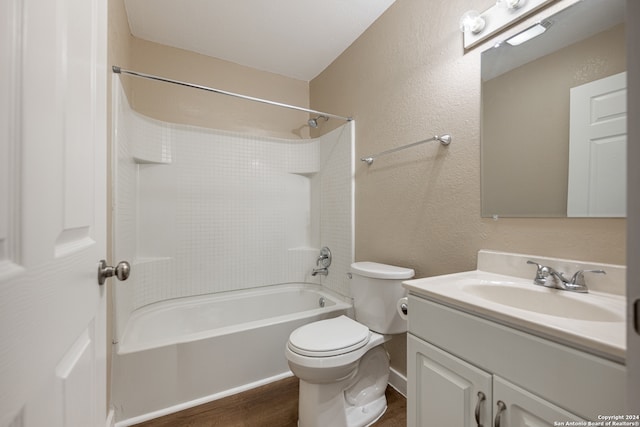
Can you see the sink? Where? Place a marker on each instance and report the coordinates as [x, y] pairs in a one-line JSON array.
[[594, 322], [542, 300]]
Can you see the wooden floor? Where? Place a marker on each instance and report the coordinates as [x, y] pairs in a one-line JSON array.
[[272, 405]]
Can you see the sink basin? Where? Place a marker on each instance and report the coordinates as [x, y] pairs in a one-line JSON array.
[[544, 301], [594, 321]]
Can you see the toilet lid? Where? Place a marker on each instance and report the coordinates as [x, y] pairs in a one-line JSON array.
[[329, 337]]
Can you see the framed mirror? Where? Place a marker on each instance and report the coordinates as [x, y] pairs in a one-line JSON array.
[[544, 152]]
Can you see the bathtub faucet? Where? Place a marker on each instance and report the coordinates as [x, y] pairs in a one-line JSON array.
[[323, 261], [322, 271]]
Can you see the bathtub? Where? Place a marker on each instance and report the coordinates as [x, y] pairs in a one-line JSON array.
[[181, 353]]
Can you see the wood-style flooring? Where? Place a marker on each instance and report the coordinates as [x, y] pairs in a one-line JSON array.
[[272, 405]]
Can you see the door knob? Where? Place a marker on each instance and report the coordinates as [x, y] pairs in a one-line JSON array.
[[121, 271]]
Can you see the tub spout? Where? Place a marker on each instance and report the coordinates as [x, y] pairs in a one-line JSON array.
[[322, 271]]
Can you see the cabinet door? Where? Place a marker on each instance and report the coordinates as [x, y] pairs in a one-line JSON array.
[[444, 390], [523, 409]]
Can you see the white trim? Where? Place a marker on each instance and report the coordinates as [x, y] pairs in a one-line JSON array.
[[398, 381], [111, 418]]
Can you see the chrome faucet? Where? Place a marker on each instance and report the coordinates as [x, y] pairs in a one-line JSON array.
[[323, 261], [551, 278], [321, 271]]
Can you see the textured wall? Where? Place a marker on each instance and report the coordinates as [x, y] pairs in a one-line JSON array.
[[405, 79]]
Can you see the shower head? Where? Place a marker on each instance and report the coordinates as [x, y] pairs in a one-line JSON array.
[[314, 121]]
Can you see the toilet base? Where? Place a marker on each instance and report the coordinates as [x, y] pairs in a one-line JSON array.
[[334, 410], [356, 401], [367, 414]]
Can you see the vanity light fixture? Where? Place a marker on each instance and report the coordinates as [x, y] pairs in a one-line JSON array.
[[528, 34], [479, 26], [472, 22], [510, 4]]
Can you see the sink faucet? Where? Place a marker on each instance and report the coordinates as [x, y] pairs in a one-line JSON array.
[[551, 278]]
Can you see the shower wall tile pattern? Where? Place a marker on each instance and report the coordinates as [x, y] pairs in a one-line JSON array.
[[202, 211], [336, 204], [124, 204]]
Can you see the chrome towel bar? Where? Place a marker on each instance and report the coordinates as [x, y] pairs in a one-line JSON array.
[[443, 139]]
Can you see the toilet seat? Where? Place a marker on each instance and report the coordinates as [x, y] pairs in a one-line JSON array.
[[329, 337]]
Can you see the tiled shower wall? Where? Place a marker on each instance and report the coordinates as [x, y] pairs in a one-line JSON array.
[[200, 211]]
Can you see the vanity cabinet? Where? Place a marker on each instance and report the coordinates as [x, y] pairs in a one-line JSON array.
[[521, 408], [453, 356], [444, 390]]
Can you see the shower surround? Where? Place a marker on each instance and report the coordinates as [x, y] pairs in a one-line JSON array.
[[201, 211]]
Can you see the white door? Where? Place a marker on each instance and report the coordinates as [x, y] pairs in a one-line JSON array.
[[597, 148], [52, 212]]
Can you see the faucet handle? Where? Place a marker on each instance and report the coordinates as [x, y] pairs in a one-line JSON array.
[[542, 273], [541, 267], [324, 260], [578, 277]]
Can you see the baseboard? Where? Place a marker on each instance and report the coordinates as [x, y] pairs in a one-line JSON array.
[[398, 382], [111, 418]]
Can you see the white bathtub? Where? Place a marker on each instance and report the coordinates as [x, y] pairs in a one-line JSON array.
[[181, 353]]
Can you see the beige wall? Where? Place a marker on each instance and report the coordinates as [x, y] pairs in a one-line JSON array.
[[406, 79], [200, 108]]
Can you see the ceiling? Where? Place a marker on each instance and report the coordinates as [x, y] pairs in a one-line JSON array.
[[294, 38]]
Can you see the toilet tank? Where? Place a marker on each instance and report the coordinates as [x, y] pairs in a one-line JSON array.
[[376, 289]]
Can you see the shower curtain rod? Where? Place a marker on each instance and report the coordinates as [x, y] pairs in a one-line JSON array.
[[119, 70]]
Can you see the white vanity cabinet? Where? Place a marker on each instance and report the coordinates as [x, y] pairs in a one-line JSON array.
[[521, 408], [444, 390], [447, 391], [454, 355]]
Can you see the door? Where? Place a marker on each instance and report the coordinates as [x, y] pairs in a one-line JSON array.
[[443, 390], [597, 148], [52, 212], [633, 221]]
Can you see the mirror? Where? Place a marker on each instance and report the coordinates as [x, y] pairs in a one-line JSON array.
[[532, 116]]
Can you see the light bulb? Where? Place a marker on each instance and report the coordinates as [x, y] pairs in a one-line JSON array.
[[472, 21], [510, 4]]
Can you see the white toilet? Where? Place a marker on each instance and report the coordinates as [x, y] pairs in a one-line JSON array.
[[341, 363]]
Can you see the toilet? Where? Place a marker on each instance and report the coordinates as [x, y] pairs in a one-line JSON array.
[[341, 363]]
